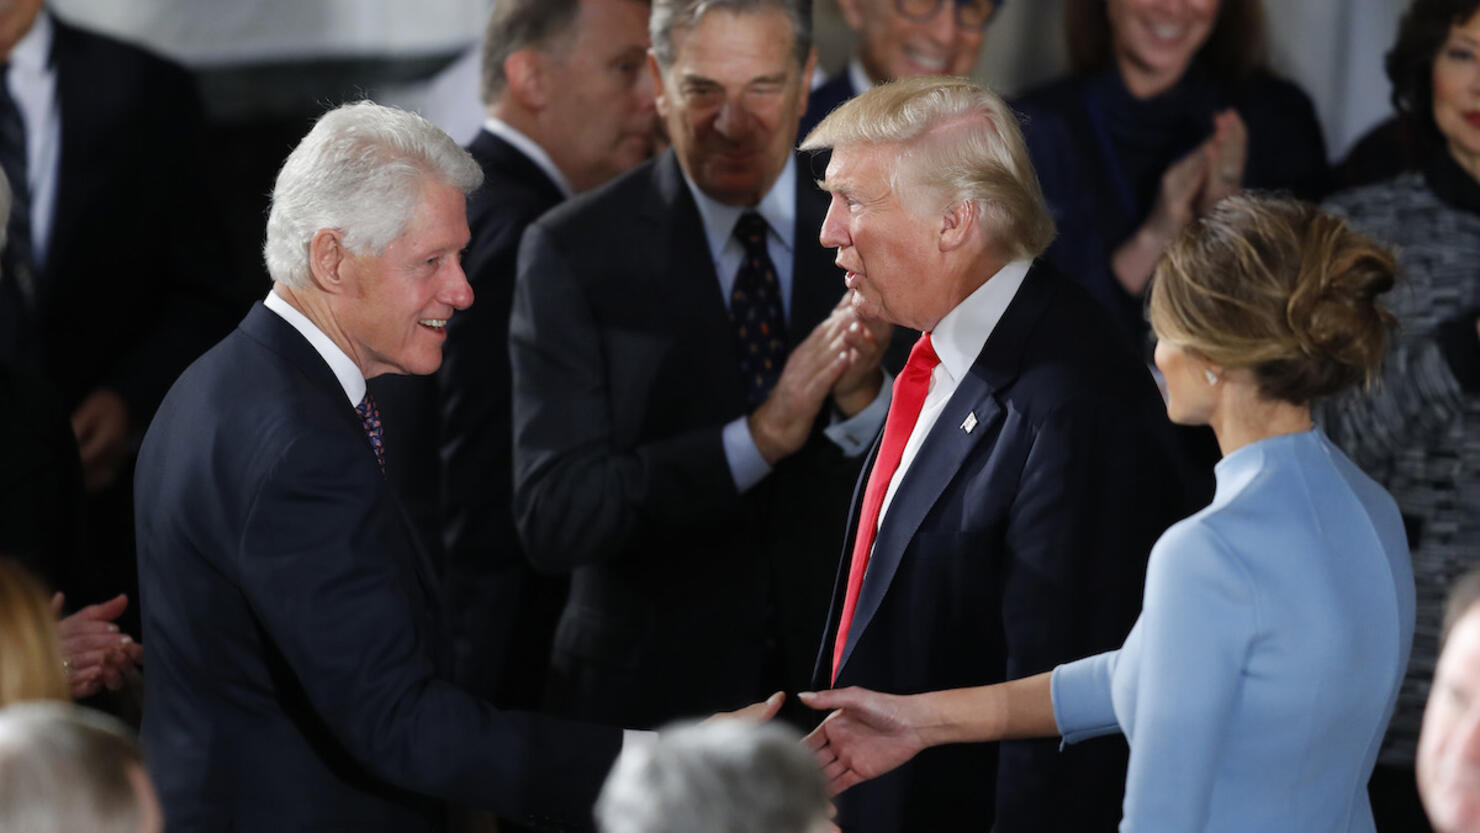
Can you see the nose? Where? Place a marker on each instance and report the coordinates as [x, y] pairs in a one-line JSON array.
[[456, 291], [834, 233], [942, 26], [733, 120]]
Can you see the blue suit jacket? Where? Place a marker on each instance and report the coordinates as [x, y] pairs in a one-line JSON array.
[[297, 664], [1006, 550]]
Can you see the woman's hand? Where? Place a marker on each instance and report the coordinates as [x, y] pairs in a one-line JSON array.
[[1176, 201], [868, 734], [1228, 151], [94, 652]]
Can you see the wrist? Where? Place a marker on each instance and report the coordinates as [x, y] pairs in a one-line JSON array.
[[850, 403]]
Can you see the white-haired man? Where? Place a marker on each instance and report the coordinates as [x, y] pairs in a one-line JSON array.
[[297, 666], [1023, 473], [67, 768], [1449, 746]]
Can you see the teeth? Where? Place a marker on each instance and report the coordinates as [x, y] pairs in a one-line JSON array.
[[1167, 31], [439, 323], [929, 62]]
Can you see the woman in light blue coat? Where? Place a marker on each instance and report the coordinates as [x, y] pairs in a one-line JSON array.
[[1256, 685]]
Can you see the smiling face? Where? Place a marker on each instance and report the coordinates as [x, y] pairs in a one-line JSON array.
[[601, 106], [394, 310], [1449, 746], [732, 100], [894, 45], [890, 252], [1156, 40], [1457, 93]]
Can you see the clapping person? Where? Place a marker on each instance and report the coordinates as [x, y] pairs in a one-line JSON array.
[[1258, 679], [42, 658]]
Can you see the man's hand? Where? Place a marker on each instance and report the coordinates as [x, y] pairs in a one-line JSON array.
[[755, 712], [101, 425], [97, 655], [868, 734], [868, 339], [781, 425]]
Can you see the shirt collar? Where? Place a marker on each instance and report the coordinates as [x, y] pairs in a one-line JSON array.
[[959, 337], [777, 208], [345, 370], [532, 149], [858, 77], [32, 52]]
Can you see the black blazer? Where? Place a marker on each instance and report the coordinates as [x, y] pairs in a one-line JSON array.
[[297, 664], [132, 288], [831, 95], [1008, 549], [504, 613], [686, 597]]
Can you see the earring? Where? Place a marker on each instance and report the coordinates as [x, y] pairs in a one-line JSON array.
[[1210, 376]]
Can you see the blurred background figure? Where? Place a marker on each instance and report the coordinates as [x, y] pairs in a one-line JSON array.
[[41, 658], [66, 769], [1168, 109], [721, 776], [900, 38], [1449, 746], [1416, 433]]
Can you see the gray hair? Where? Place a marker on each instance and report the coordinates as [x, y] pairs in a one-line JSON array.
[[977, 152], [521, 24], [724, 776], [360, 170], [670, 16], [64, 768]]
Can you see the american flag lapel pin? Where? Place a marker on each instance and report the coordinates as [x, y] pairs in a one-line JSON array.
[[969, 423]]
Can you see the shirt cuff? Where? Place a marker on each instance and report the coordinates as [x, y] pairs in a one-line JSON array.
[[747, 466], [855, 434], [1082, 705]]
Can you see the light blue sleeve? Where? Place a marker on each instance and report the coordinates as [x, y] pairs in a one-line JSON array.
[[1082, 705], [747, 466], [1198, 621]]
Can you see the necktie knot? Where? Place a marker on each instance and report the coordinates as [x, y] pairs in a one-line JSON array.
[[751, 230], [370, 418], [922, 355]]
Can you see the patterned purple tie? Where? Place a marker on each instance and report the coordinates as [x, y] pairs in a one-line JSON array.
[[370, 417], [756, 312]]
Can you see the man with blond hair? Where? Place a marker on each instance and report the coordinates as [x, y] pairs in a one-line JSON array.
[[1023, 473]]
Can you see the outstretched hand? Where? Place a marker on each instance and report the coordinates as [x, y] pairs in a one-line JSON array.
[[755, 712], [97, 655], [867, 735]]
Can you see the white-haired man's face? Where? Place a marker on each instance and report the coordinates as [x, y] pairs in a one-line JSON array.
[[1449, 746], [889, 247]]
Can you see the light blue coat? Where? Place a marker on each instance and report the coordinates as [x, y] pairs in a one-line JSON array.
[[1256, 685]]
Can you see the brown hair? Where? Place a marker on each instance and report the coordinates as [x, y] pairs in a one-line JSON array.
[[30, 649], [1279, 287], [1234, 49], [1410, 63]]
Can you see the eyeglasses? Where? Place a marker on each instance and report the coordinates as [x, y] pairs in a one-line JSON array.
[[970, 14]]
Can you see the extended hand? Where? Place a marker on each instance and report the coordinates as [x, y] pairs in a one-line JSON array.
[[868, 734], [100, 424], [866, 341], [755, 712], [1228, 151], [781, 425], [96, 653]]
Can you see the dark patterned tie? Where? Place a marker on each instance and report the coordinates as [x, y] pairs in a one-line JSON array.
[[370, 417], [756, 312], [17, 286]]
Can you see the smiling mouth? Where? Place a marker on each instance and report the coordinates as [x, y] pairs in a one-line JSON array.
[[1167, 32], [437, 324], [926, 61]]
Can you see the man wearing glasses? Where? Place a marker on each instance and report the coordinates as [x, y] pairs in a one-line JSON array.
[[899, 38]]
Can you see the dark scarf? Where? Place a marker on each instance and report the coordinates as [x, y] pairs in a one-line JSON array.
[[1452, 184]]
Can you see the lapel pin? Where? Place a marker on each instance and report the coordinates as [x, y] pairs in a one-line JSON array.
[[969, 423]]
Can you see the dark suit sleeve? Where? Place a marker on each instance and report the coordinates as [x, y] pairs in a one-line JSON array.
[[317, 560], [1089, 505], [579, 497]]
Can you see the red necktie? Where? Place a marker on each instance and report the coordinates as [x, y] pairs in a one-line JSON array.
[[910, 388]]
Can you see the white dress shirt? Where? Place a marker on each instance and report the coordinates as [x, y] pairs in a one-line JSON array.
[[532, 149], [345, 370], [958, 339], [33, 84], [778, 209]]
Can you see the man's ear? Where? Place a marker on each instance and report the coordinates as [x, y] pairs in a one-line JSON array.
[[525, 79], [658, 84], [959, 224], [326, 254], [808, 69]]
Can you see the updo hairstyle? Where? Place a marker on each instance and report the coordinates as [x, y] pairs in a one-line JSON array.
[[1276, 286]]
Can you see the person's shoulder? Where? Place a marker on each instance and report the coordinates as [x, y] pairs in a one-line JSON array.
[[105, 53], [1054, 96], [611, 203], [1264, 95], [1381, 206]]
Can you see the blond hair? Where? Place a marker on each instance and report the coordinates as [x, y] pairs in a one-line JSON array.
[[974, 151], [30, 649], [1279, 287]]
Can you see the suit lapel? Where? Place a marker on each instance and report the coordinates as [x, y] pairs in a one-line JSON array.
[[948, 445]]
